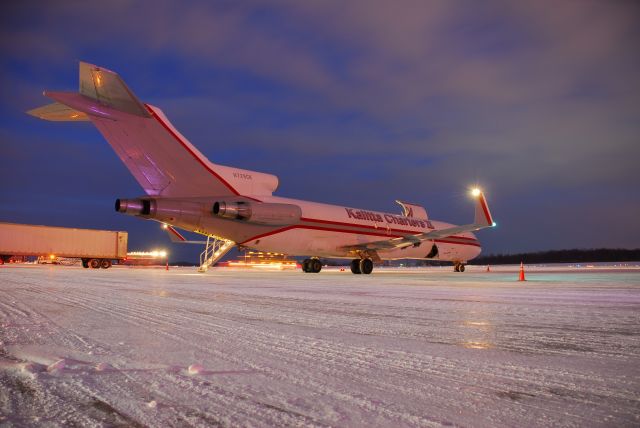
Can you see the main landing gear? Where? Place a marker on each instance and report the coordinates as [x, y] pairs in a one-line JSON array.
[[364, 266], [311, 266], [458, 267]]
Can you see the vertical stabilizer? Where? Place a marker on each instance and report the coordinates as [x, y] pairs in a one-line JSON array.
[[161, 159], [106, 87]]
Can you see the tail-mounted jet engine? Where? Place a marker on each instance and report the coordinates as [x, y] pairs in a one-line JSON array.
[[258, 212], [188, 212], [192, 210]]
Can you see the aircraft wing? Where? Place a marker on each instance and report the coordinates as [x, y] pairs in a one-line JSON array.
[[482, 219], [177, 237]]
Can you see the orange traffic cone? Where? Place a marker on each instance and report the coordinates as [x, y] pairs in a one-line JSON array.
[[488, 268], [521, 277]]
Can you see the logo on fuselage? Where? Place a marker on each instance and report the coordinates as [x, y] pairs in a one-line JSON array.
[[389, 218]]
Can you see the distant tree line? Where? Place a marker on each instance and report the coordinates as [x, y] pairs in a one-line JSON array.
[[555, 256], [561, 256]]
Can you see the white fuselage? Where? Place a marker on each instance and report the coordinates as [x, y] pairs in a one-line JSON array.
[[325, 230]]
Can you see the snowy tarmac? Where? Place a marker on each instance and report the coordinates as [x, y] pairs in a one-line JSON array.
[[401, 347]]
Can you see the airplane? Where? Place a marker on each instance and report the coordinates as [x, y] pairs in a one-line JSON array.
[[237, 206]]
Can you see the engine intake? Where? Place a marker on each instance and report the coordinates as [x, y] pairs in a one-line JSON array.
[[236, 210]]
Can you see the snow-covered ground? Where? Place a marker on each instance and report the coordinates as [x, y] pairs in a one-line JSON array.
[[401, 347]]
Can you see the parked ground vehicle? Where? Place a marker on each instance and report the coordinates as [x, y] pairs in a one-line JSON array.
[[96, 248]]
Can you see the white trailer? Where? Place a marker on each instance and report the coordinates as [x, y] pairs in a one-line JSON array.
[[96, 248]]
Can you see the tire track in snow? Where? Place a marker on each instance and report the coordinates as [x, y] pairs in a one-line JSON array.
[[286, 357], [137, 317], [270, 343]]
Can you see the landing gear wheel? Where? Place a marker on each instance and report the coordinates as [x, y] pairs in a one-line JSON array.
[[105, 264], [366, 266], [311, 266], [355, 266], [94, 263], [315, 266], [458, 267], [85, 263]]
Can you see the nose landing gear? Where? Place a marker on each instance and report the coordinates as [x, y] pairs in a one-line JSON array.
[[458, 267]]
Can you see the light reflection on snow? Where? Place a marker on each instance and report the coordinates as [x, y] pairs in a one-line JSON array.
[[477, 345], [477, 323]]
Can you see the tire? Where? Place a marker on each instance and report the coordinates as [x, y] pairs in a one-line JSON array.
[[366, 266], [355, 266], [105, 264], [315, 266], [305, 265], [461, 268], [85, 263], [94, 263]]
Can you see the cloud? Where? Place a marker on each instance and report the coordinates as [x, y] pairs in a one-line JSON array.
[[390, 98]]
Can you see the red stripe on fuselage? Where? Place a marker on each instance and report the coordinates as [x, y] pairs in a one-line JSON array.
[[234, 191], [475, 244], [364, 226], [328, 229], [195, 156]]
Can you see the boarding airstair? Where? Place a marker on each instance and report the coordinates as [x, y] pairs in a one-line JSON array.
[[214, 250]]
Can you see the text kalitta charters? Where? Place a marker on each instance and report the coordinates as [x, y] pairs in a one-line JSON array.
[[391, 219]]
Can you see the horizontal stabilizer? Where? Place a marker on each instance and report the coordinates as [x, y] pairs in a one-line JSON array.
[[57, 112], [109, 89]]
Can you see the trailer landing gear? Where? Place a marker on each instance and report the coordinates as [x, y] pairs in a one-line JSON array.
[[96, 263]]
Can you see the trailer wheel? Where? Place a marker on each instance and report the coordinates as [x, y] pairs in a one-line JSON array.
[[85, 263], [105, 264], [94, 263]]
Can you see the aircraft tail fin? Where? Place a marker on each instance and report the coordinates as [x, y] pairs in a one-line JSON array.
[[106, 87], [161, 159]]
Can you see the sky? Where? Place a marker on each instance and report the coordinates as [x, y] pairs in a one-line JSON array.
[[355, 103]]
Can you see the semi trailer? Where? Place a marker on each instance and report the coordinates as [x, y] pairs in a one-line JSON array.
[[96, 248]]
